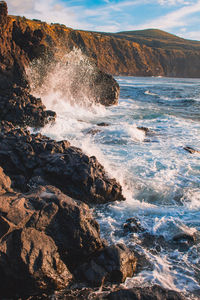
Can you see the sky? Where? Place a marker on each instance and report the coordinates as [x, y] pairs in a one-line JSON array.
[[179, 17]]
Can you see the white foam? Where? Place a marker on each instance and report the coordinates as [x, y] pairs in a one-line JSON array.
[[135, 134]]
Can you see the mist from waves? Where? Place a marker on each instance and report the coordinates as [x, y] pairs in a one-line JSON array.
[[161, 181]]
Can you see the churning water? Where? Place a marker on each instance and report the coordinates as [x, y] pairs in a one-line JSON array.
[[161, 181]]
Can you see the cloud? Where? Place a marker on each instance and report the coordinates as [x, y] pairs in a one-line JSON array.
[[176, 18], [174, 2]]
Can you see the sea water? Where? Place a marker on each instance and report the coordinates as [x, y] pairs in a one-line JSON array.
[[160, 180]]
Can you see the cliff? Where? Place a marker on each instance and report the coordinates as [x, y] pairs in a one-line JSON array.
[[140, 53]]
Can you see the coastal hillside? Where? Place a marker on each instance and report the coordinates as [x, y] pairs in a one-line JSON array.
[[141, 53]]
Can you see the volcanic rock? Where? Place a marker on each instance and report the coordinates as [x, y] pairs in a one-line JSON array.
[[105, 89], [3, 12], [191, 150], [35, 159], [5, 183], [43, 234], [30, 263], [113, 264], [18, 106], [133, 225], [68, 222]]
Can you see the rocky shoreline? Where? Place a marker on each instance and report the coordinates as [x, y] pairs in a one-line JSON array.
[[49, 239]]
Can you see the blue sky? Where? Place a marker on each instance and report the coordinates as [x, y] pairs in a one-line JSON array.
[[180, 17]]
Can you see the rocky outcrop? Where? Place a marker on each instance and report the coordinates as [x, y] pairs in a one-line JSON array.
[[43, 235], [48, 240], [112, 264], [31, 160], [30, 263], [3, 12], [5, 183], [18, 106]]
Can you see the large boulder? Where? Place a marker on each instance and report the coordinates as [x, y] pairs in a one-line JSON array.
[[30, 263], [68, 222], [105, 89], [32, 160], [112, 264], [43, 235], [5, 182]]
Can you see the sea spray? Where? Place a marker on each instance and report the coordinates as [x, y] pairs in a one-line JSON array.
[[67, 79]]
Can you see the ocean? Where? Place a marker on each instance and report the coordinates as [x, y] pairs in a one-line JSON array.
[[160, 179]]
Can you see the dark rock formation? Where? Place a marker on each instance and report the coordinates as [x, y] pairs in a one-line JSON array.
[[42, 234], [30, 263], [68, 222], [113, 264], [105, 89], [21, 108], [150, 293], [191, 150], [93, 131], [35, 159], [47, 237], [133, 225], [5, 183], [3, 12], [103, 124]]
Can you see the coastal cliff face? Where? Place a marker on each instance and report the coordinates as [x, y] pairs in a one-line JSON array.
[[139, 53]]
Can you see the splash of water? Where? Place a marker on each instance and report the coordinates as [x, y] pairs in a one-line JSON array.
[[65, 80]]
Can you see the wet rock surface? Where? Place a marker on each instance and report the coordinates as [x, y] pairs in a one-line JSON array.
[[18, 106], [112, 264], [31, 160], [30, 263], [191, 150], [43, 234], [133, 225]]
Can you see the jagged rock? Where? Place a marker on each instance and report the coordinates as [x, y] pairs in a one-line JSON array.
[[133, 225], [5, 182], [3, 12], [30, 263], [68, 222], [21, 108], [113, 264], [148, 293], [105, 89], [185, 237], [40, 160], [43, 234], [103, 124], [191, 150], [93, 131]]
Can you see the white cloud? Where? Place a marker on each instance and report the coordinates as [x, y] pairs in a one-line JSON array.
[[192, 35], [174, 2], [177, 18]]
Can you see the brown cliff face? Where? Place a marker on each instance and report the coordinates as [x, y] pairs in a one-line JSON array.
[[140, 53]]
